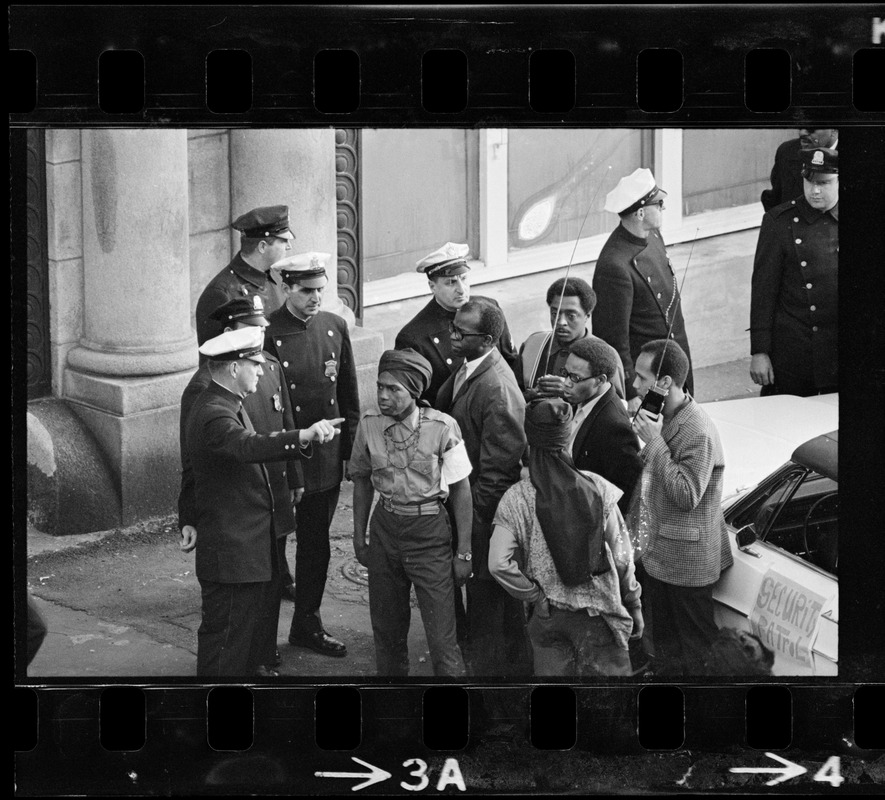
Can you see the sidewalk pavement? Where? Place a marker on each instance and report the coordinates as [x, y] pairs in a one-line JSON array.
[[83, 644]]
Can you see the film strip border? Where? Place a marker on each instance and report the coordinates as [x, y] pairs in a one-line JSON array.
[[127, 740], [364, 65]]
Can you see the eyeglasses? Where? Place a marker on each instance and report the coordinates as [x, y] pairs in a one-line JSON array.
[[572, 378], [458, 334], [657, 203]]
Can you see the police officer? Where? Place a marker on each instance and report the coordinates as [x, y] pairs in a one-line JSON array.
[[265, 239], [233, 504], [314, 349], [269, 410], [786, 174], [428, 331], [793, 305], [637, 299]]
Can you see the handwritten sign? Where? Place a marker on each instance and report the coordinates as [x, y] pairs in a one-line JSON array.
[[785, 616]]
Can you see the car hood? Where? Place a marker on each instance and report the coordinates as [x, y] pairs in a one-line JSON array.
[[760, 433]]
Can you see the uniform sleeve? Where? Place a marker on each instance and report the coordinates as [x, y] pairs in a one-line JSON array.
[[611, 316], [187, 514], [501, 450], [224, 435], [360, 459], [456, 464], [685, 466], [768, 268], [348, 395]]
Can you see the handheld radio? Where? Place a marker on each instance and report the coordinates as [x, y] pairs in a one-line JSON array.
[[654, 398]]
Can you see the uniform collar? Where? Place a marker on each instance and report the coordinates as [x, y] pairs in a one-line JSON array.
[[225, 394], [810, 214], [258, 278], [630, 237], [409, 422], [296, 319]]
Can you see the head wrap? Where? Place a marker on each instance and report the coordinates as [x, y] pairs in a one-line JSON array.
[[567, 503], [409, 368]]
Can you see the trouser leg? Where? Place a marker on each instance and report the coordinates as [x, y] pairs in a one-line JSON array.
[[389, 589], [496, 640], [286, 578], [226, 639], [695, 624], [552, 649], [312, 554], [266, 633], [427, 558]]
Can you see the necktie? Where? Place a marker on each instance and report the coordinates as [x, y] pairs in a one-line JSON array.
[[460, 377]]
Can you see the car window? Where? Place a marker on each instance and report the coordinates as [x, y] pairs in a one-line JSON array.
[[798, 513]]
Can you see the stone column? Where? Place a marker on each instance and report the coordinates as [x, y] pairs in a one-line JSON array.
[[137, 349], [297, 168]]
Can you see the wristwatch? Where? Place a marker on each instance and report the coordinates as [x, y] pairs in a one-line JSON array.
[[464, 556]]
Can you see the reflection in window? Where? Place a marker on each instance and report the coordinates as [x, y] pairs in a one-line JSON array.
[[554, 176], [727, 168]]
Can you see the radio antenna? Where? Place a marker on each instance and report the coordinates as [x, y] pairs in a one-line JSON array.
[[678, 301], [569, 266]]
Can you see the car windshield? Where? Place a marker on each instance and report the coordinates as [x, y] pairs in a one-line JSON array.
[[797, 511]]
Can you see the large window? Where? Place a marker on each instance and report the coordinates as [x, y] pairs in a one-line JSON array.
[[557, 181], [529, 200]]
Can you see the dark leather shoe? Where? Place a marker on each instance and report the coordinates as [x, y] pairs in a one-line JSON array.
[[319, 641], [265, 672], [288, 593]]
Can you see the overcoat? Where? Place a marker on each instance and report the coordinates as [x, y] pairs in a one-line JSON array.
[[237, 279], [233, 502], [605, 444], [636, 299], [320, 375], [794, 300], [268, 409], [490, 411]]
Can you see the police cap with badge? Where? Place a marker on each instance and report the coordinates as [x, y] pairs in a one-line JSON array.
[[305, 269], [248, 310], [264, 222], [819, 159], [446, 262], [634, 191], [234, 345]]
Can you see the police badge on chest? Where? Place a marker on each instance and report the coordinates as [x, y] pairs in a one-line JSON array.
[[331, 369]]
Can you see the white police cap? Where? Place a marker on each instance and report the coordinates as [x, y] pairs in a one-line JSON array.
[[234, 345], [632, 192]]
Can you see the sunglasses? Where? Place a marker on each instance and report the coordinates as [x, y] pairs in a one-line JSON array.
[[572, 378], [458, 334]]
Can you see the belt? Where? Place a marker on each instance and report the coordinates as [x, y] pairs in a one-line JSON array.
[[411, 510]]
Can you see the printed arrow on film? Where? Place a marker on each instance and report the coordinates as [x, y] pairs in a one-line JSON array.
[[376, 775], [789, 770]]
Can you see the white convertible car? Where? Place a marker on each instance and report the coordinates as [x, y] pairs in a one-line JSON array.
[[781, 504]]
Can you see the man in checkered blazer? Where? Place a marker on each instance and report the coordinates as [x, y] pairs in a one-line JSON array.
[[680, 511]]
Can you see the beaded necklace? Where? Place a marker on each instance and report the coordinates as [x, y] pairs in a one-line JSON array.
[[403, 445]]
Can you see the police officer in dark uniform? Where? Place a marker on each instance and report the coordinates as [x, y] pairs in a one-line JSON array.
[[313, 347], [265, 239], [793, 305], [269, 410], [233, 504], [637, 299], [786, 174], [428, 331]]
